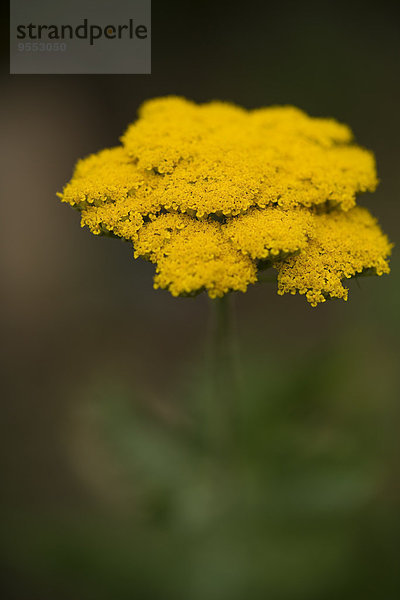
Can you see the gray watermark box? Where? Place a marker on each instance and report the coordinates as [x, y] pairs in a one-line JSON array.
[[80, 36]]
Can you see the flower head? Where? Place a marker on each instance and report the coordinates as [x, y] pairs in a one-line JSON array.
[[212, 193]]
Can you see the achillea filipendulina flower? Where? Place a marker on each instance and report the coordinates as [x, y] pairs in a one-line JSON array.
[[212, 193]]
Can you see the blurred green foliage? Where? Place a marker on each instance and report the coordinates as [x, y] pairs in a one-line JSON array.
[[297, 502]]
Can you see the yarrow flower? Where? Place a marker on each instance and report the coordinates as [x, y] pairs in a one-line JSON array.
[[213, 193]]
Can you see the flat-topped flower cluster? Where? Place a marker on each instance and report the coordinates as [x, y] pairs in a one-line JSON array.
[[214, 193]]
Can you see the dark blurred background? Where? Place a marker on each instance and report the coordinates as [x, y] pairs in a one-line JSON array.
[[108, 490]]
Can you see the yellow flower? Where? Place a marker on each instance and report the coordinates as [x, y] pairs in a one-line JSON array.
[[212, 193]]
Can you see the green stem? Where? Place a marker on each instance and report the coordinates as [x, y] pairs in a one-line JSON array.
[[225, 375]]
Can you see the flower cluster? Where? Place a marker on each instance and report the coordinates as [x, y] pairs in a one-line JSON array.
[[213, 193]]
